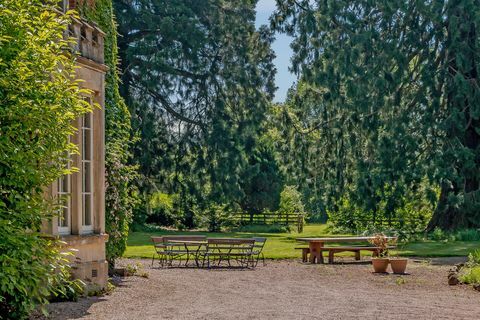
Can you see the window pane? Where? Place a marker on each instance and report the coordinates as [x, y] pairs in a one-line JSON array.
[[87, 145], [87, 177], [63, 218], [65, 186], [87, 209], [87, 120]]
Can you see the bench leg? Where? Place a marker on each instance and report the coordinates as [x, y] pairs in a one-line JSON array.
[[331, 256], [357, 255], [305, 252]]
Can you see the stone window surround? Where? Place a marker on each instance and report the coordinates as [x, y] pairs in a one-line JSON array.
[[75, 225]]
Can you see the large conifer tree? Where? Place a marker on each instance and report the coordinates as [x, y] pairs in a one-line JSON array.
[[399, 91], [198, 76]]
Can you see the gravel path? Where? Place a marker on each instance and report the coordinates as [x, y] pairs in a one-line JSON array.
[[282, 290]]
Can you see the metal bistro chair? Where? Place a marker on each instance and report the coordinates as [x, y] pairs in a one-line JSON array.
[[257, 252], [159, 250]]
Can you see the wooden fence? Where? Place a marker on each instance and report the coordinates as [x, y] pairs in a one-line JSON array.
[[268, 218]]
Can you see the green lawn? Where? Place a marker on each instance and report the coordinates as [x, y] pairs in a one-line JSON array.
[[281, 245]]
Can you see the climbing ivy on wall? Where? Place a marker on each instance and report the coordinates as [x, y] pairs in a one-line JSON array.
[[120, 192]]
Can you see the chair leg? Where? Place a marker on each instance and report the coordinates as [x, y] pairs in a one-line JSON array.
[[153, 258]]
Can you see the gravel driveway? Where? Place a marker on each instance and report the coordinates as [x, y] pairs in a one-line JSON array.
[[282, 290]]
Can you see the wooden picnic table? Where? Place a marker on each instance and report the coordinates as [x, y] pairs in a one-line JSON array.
[[317, 245]]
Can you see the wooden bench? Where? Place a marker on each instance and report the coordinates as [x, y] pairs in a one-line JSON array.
[[332, 250], [354, 249], [305, 252]]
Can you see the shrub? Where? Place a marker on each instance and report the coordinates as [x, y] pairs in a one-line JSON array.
[[438, 234], [217, 217], [409, 216], [291, 201], [468, 235], [470, 274], [39, 102]]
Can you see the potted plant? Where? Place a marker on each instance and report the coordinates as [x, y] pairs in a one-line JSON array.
[[398, 264], [380, 261]]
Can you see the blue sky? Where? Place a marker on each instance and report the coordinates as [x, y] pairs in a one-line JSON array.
[[284, 79]]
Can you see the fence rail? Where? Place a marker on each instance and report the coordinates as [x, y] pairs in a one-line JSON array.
[[270, 218]]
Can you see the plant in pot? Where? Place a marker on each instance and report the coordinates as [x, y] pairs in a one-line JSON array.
[[380, 261], [398, 264]]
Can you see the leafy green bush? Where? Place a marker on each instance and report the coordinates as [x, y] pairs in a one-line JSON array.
[[438, 234], [470, 274], [291, 201], [467, 235], [39, 101], [67, 289], [408, 217], [217, 217], [162, 209]]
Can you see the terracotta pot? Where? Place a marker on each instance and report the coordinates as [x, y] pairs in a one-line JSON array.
[[399, 265], [380, 265]]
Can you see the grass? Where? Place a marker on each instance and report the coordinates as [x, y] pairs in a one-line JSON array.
[[282, 245]]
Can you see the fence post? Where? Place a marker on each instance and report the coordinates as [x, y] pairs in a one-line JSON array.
[[300, 223]]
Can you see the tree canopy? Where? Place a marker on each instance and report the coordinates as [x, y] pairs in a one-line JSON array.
[[198, 78], [396, 85]]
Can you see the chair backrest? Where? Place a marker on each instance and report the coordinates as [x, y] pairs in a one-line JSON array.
[[157, 240], [229, 245], [259, 242], [231, 241]]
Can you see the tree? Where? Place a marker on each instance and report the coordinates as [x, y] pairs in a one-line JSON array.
[[120, 195], [261, 182], [400, 97], [39, 101], [198, 77]]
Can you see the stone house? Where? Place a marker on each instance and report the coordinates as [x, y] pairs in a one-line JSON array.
[[81, 224]]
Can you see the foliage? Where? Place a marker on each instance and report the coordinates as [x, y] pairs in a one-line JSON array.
[[120, 194], [39, 101], [409, 218], [136, 269], [471, 272], [397, 100], [67, 289], [291, 201], [381, 242], [198, 77], [467, 235], [261, 182], [217, 217], [163, 209]]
